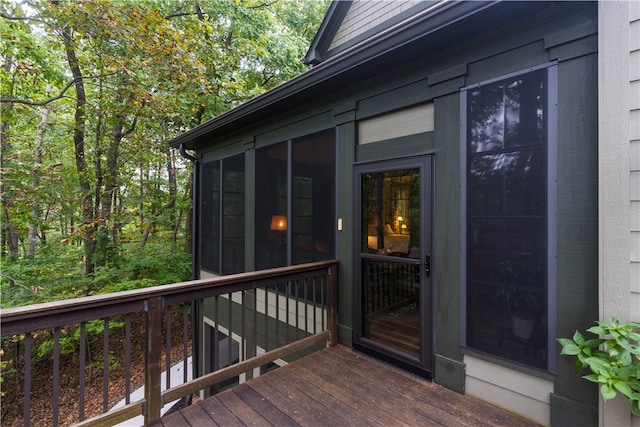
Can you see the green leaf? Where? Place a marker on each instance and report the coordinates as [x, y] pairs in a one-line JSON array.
[[597, 330], [564, 341], [623, 388], [597, 364], [625, 372], [594, 342], [625, 358], [593, 378], [570, 349], [607, 392], [578, 338]]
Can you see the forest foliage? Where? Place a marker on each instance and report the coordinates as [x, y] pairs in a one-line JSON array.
[[93, 198]]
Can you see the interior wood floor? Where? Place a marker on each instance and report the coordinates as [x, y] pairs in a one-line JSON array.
[[398, 329], [338, 386]]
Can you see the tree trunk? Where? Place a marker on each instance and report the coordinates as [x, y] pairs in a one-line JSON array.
[[119, 211], [98, 161], [176, 229], [110, 175], [142, 196], [171, 203], [9, 231], [32, 239], [78, 142], [109, 233]]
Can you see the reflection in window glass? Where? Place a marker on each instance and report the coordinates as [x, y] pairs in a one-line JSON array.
[[506, 219], [507, 114]]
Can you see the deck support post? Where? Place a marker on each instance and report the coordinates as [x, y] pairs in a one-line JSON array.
[[332, 305], [153, 370]]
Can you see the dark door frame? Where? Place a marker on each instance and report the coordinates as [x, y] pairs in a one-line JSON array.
[[424, 364]]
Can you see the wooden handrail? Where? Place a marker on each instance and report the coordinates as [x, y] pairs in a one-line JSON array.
[[152, 301], [19, 320]]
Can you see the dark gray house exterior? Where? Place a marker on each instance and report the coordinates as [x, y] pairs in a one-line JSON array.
[[446, 153]]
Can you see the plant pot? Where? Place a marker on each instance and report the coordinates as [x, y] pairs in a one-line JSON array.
[[522, 325]]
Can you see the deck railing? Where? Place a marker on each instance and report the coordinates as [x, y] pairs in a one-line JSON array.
[[262, 317]]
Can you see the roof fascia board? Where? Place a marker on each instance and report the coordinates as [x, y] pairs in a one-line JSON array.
[[327, 31], [380, 28], [435, 19]]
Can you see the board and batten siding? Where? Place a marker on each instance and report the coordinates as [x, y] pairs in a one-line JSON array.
[[363, 16], [619, 176]]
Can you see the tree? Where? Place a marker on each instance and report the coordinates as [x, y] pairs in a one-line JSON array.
[[109, 83]]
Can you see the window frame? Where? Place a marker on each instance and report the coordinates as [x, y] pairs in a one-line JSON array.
[[551, 213]]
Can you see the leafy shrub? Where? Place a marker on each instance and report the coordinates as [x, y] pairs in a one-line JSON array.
[[153, 265], [613, 359], [55, 274]]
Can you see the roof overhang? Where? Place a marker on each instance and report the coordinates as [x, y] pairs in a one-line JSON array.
[[330, 24], [434, 28]]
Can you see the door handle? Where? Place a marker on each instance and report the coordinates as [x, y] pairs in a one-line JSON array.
[[427, 265]]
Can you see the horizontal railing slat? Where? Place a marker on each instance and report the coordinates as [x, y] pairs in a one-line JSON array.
[[114, 416], [234, 370], [16, 322]]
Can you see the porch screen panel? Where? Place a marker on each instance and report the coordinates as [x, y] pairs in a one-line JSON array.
[[506, 219], [210, 217], [313, 198], [271, 223], [232, 245]]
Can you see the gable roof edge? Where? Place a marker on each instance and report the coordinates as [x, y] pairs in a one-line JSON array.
[[328, 28]]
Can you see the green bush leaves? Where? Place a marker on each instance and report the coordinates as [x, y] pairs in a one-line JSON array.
[[613, 358]]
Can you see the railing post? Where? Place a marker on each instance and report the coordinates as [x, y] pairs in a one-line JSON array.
[[153, 368], [332, 304]]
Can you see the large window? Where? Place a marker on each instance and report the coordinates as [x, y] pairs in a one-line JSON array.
[[295, 201], [222, 215], [507, 218]]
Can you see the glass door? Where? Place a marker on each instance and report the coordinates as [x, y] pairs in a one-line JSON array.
[[394, 262]]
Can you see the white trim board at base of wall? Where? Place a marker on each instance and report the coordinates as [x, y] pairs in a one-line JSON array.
[[512, 390]]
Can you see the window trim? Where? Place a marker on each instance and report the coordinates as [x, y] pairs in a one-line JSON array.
[[552, 212]]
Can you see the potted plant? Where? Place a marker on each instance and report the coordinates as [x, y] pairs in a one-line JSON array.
[[524, 307]]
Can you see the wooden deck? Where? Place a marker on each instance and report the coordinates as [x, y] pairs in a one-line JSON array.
[[341, 387]]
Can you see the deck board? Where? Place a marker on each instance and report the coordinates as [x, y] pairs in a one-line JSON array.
[[242, 410], [339, 386], [219, 413], [314, 400], [196, 415], [270, 412], [340, 398]]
